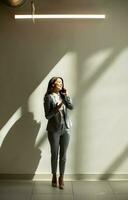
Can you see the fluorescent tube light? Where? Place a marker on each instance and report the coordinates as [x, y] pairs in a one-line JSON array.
[[60, 16]]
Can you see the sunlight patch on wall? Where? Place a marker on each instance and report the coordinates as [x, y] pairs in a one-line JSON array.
[[92, 64], [4, 131], [107, 113], [65, 68]]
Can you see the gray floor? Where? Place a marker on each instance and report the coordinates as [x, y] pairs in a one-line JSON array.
[[74, 190]]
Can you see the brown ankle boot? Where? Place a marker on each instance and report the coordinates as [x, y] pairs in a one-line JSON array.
[[61, 182], [54, 180]]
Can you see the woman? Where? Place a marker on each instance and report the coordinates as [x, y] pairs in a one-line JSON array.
[[56, 103]]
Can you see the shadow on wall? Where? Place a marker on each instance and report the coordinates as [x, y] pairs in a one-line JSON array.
[[18, 152], [28, 53]]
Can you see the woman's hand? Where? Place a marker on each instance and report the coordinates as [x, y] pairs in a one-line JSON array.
[[64, 92], [58, 106]]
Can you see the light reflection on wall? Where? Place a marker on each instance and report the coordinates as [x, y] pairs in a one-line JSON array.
[[9, 124]]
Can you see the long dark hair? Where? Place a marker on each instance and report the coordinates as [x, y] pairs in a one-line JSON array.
[[50, 85]]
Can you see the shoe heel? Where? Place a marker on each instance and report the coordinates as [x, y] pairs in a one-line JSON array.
[[54, 181], [61, 183]]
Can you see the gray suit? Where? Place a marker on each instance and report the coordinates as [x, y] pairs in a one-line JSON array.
[[52, 114], [58, 129]]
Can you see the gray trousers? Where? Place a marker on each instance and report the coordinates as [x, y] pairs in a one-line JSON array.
[[58, 143]]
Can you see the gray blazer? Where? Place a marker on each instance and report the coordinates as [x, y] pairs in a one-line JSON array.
[[53, 115]]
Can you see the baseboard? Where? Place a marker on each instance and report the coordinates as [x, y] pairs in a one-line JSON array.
[[68, 177]]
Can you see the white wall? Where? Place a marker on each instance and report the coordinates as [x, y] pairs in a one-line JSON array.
[[91, 56]]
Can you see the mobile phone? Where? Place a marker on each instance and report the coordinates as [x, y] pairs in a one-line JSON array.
[[63, 90]]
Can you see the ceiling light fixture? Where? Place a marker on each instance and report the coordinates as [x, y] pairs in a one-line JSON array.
[[61, 16], [34, 16]]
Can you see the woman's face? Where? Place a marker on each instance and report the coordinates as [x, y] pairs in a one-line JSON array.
[[58, 84]]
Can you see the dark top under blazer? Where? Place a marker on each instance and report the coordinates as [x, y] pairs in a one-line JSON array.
[[53, 115]]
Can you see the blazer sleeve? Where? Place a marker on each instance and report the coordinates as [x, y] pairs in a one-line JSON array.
[[68, 102], [49, 108]]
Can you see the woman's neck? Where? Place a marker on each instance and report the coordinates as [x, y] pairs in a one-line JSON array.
[[55, 91]]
